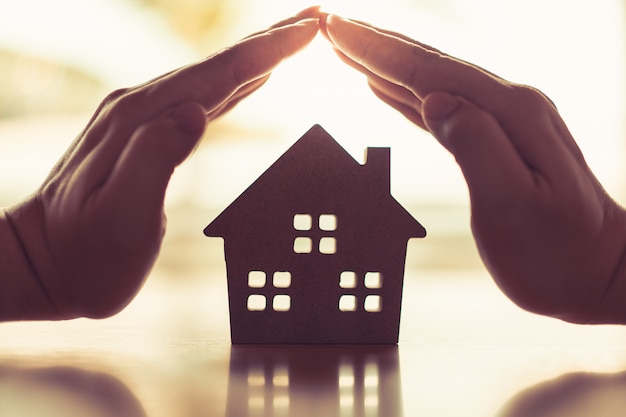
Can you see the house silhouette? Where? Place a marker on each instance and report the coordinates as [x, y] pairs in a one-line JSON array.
[[315, 249]]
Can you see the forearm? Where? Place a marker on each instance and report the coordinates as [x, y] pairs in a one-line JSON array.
[[21, 295]]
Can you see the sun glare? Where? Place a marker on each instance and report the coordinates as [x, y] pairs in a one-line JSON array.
[[316, 87]]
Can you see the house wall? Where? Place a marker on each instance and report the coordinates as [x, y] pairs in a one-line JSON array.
[[317, 291]]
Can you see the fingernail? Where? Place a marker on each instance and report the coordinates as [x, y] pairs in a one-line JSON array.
[[308, 21], [323, 18], [439, 106], [331, 20], [333, 17], [309, 12]]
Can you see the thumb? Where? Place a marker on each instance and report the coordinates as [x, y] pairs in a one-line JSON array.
[[490, 163], [142, 173]]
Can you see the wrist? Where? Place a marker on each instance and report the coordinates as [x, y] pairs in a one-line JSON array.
[[606, 271], [613, 303], [25, 270]]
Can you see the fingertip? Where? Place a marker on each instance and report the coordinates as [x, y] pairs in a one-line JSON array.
[[313, 11], [330, 26], [323, 16], [307, 28], [334, 19], [331, 23], [349, 36]]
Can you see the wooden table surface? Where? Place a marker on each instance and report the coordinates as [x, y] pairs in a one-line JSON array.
[[464, 350]]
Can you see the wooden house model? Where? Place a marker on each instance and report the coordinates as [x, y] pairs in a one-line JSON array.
[[315, 249]]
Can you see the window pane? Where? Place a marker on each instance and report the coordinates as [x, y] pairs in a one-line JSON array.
[[328, 245], [373, 303], [373, 280], [302, 245], [256, 279], [256, 302], [302, 222], [282, 279], [282, 303], [347, 303], [328, 222], [347, 279]]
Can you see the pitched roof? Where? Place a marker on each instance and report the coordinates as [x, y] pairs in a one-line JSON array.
[[316, 173]]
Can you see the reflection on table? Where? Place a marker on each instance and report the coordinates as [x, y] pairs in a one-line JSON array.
[[314, 380], [572, 395], [273, 381], [464, 350], [64, 391]]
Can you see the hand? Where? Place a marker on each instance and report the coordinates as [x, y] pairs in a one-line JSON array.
[[549, 234], [90, 235]]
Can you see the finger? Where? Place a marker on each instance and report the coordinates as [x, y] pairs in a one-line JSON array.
[[398, 103], [308, 13], [323, 29], [396, 96], [524, 113], [422, 45], [140, 177], [404, 63], [397, 93], [237, 97], [492, 167], [209, 83]]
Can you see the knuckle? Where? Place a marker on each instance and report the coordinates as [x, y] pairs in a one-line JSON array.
[[530, 98], [121, 103], [414, 67], [112, 98], [230, 59]]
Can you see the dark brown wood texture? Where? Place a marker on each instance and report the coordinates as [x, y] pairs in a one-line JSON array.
[[315, 249]]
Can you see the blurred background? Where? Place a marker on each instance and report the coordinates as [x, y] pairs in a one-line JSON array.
[[58, 59]]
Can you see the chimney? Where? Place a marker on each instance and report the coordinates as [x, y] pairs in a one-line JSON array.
[[377, 167]]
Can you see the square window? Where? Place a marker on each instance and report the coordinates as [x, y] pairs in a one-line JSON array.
[[281, 303], [347, 303], [373, 303], [282, 279], [328, 245], [328, 222], [256, 302], [302, 222], [303, 245], [256, 279], [373, 280], [347, 279]]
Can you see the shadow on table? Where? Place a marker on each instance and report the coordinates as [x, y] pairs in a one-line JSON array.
[[274, 381], [572, 395], [64, 391]]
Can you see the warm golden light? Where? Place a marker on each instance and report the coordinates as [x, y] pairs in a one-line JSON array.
[[315, 87]]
